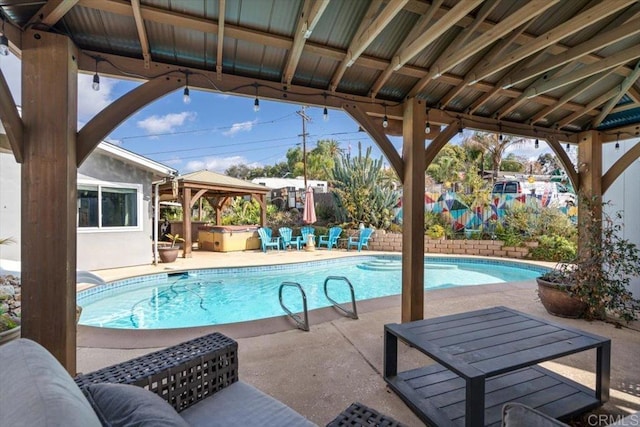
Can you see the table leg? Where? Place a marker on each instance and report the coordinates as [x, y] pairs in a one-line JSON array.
[[603, 371], [474, 402], [390, 361]]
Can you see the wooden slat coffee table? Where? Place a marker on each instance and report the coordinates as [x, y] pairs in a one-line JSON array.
[[486, 358]]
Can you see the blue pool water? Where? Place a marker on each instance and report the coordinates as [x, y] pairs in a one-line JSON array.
[[229, 295]]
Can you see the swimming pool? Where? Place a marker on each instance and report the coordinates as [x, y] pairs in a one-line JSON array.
[[230, 295]]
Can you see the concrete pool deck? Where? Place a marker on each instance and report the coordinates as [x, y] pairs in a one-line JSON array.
[[319, 373]]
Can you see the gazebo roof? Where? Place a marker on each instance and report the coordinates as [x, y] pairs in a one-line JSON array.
[[216, 181], [536, 68]]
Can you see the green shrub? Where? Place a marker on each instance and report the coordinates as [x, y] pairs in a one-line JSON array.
[[435, 231], [395, 228], [554, 248]]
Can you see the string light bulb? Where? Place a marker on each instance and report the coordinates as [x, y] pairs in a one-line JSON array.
[[536, 145], [618, 142], [325, 111], [256, 102], [500, 136], [427, 128], [385, 119], [96, 79], [185, 95], [4, 42], [568, 147]]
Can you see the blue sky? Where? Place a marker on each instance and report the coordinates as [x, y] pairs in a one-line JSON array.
[[213, 131]]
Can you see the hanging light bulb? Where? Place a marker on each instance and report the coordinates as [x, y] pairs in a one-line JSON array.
[[427, 128], [4, 42], [618, 142], [385, 120], [325, 114], [256, 102], [536, 145], [96, 79], [568, 147], [185, 95], [500, 136]]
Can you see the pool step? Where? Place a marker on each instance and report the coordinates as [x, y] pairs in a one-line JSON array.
[[396, 264]]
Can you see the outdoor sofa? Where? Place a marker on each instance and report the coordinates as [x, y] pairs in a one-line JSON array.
[[191, 384]]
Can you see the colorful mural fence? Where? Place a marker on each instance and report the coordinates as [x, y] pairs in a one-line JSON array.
[[463, 217]]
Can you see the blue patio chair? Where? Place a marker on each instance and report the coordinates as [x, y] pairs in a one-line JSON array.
[[287, 239], [305, 232], [266, 239], [361, 241], [331, 239]]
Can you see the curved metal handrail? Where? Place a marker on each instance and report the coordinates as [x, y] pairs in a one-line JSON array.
[[300, 323], [350, 313]]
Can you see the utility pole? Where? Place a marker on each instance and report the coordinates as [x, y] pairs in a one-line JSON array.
[[305, 119]]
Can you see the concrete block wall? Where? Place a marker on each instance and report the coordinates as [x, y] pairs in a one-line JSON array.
[[393, 242]]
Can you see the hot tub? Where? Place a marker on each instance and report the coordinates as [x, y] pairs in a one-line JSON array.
[[228, 238]]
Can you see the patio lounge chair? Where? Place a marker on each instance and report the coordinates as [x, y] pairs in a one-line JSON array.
[[305, 232], [331, 239], [266, 239], [287, 239], [361, 241]]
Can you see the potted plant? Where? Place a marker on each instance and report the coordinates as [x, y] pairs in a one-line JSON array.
[[170, 253], [596, 284]]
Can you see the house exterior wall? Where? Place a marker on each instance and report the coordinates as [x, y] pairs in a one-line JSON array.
[[10, 184], [99, 249], [624, 195]]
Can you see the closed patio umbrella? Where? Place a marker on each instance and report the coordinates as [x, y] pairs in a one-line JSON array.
[[309, 216]]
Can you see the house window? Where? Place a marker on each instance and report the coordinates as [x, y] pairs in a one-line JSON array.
[[108, 206]]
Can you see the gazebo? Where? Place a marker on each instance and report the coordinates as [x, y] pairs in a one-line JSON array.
[[216, 189], [561, 71]]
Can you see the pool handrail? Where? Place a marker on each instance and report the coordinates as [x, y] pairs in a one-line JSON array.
[[300, 323], [349, 313]]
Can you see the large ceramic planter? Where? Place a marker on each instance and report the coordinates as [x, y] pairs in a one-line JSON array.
[[168, 254], [9, 335], [557, 301]]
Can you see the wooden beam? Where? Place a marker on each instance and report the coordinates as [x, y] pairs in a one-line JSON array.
[[590, 186], [599, 41], [577, 23], [367, 33], [576, 91], [118, 111], [527, 12], [590, 106], [186, 222], [11, 120], [419, 28], [622, 90], [620, 166], [440, 141], [49, 177], [566, 162], [376, 133], [51, 13], [312, 10], [222, 7], [142, 32], [413, 211], [624, 107], [617, 59]]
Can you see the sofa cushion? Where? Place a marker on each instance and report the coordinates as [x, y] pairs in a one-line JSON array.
[[127, 405], [38, 391], [242, 405]]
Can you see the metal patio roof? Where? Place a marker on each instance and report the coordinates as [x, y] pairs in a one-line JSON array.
[[548, 65]]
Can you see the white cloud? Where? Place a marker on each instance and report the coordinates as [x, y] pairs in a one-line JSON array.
[[217, 164], [12, 70], [91, 102], [240, 127], [167, 123]]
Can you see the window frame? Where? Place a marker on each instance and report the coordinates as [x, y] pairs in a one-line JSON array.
[[99, 186]]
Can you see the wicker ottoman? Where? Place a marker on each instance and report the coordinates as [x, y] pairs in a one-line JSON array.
[[360, 415]]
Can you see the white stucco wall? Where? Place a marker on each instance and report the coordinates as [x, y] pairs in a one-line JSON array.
[[624, 195], [96, 249], [9, 206]]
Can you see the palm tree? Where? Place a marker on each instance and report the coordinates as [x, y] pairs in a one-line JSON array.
[[495, 145]]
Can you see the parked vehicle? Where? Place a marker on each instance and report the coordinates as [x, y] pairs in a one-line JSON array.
[[551, 193]]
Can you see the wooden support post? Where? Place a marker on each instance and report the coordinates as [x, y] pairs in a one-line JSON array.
[[49, 193], [589, 183], [186, 222], [413, 211]]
